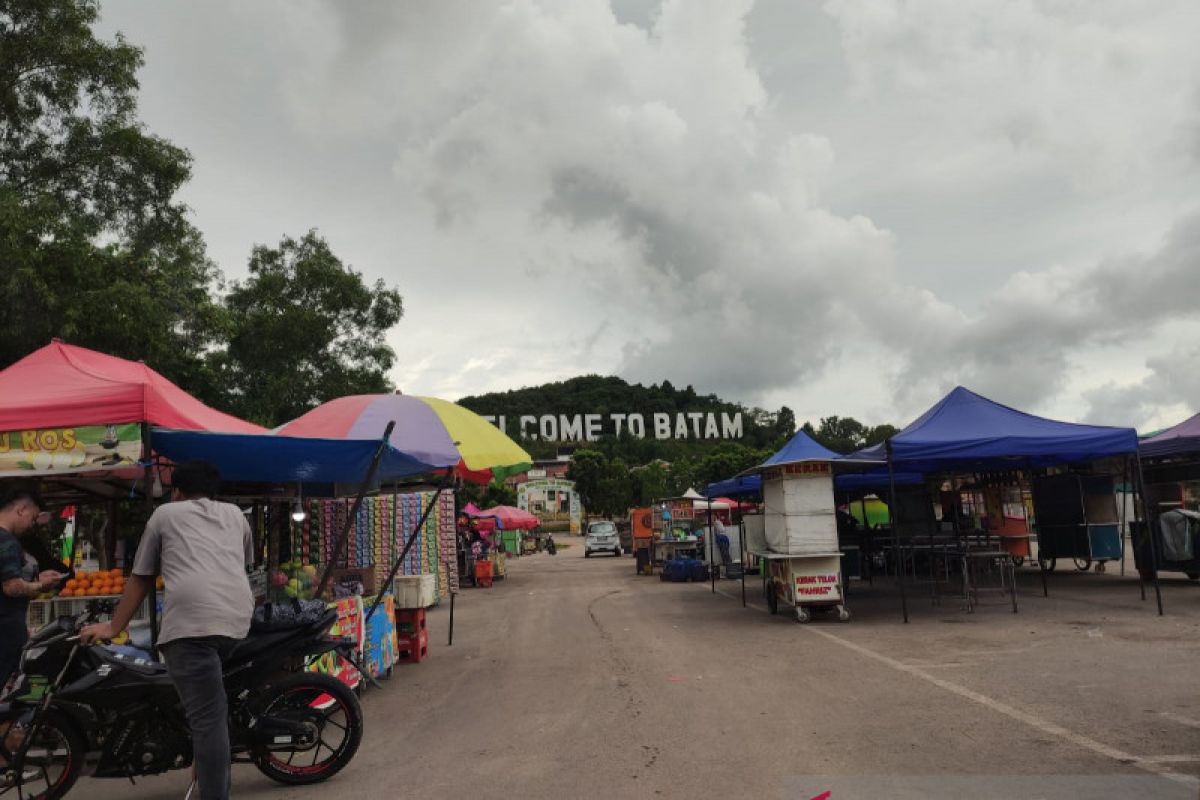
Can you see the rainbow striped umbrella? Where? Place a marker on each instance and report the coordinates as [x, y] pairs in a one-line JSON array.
[[435, 431]]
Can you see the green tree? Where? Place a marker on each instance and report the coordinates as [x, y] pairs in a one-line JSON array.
[[95, 247], [304, 328], [879, 433], [785, 423], [587, 470]]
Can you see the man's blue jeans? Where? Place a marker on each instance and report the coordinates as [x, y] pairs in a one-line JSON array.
[[195, 669]]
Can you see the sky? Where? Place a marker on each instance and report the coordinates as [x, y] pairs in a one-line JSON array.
[[845, 207]]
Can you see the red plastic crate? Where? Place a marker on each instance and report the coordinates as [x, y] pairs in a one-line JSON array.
[[483, 574], [412, 649], [410, 621]]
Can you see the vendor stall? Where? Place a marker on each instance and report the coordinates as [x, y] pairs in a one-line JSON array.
[[966, 433], [802, 561], [1171, 460]]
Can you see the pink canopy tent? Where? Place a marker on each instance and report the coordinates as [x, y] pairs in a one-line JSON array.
[[61, 386], [508, 518]]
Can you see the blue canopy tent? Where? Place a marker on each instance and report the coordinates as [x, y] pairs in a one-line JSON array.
[[738, 486], [267, 458], [800, 448], [965, 431]]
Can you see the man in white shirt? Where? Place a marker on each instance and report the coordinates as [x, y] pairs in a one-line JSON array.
[[201, 547]]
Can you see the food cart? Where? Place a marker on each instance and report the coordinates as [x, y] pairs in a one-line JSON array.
[[1077, 518], [802, 565]]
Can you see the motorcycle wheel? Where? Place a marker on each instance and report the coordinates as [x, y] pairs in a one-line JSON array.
[[56, 756], [329, 705]]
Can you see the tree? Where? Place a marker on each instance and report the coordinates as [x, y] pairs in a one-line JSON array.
[[304, 328], [879, 433], [95, 248], [840, 434], [587, 470], [785, 423]]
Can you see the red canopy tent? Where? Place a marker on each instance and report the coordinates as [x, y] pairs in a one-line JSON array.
[[510, 518], [61, 385]]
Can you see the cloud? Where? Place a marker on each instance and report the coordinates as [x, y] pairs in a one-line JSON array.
[[847, 208], [1163, 397]]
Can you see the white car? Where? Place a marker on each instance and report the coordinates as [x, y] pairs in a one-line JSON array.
[[601, 538]]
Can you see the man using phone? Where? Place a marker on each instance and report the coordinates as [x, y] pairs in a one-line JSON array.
[[20, 510]]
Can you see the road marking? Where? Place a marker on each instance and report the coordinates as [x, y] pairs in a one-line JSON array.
[[1032, 720], [1043, 725], [1182, 720]]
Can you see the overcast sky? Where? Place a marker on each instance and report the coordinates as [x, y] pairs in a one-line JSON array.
[[846, 207]]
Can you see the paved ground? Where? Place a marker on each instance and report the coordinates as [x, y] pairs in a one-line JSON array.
[[576, 678]]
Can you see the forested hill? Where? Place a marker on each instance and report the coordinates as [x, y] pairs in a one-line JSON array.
[[613, 403]]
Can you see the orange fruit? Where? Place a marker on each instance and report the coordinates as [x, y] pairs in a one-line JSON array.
[[115, 571]]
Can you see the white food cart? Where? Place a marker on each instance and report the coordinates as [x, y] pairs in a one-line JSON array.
[[802, 565]]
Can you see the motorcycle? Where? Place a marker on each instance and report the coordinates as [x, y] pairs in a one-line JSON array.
[[107, 713], [550, 546]]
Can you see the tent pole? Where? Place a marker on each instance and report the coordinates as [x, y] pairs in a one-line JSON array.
[[148, 496], [446, 481], [450, 640], [340, 542], [742, 552], [862, 501], [712, 549], [895, 528], [1122, 519], [1149, 532]]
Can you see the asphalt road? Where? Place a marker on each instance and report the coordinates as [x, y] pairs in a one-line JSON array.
[[575, 678]]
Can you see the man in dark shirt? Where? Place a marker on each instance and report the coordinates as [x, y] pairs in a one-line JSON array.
[[20, 508]]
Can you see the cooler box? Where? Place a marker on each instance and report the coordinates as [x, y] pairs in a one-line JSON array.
[[801, 534], [415, 591]]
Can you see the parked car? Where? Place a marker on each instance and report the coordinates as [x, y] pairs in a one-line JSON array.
[[602, 537]]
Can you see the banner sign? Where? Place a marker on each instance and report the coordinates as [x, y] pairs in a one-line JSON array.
[[590, 427], [85, 448], [803, 469]]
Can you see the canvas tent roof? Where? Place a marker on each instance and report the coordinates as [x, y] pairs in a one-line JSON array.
[[799, 448], [62, 386], [267, 458], [1179, 440], [967, 430]]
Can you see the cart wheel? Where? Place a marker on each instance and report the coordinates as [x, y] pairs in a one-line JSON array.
[[1047, 564], [843, 614], [772, 600], [1193, 576], [1082, 564], [802, 615], [1100, 566]]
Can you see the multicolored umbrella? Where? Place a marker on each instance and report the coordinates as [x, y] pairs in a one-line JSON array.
[[435, 431]]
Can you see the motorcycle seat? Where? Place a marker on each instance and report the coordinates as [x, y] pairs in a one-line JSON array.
[[140, 666]]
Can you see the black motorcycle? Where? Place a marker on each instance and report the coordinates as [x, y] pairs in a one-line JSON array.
[[551, 548], [93, 710]]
